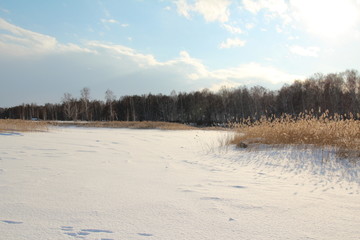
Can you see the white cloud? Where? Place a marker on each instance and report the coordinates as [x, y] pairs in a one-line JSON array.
[[19, 41], [119, 51], [325, 18], [275, 7], [252, 6], [250, 74], [185, 65], [198, 69], [195, 70], [329, 20], [255, 73], [191, 68], [25, 37], [232, 42], [293, 38], [227, 84], [211, 10], [249, 25], [232, 29], [101, 65], [183, 8], [112, 21], [4, 10], [108, 20], [305, 51]]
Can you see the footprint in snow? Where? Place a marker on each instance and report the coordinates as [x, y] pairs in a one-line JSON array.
[[71, 234], [211, 198], [238, 186], [11, 134], [67, 228], [10, 222], [145, 234], [96, 231], [70, 231]]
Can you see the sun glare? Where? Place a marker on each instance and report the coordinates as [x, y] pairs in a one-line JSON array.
[[328, 18]]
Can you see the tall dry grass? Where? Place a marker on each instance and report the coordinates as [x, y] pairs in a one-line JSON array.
[[341, 132], [12, 125]]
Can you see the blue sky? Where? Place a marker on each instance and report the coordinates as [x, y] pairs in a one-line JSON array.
[[48, 48]]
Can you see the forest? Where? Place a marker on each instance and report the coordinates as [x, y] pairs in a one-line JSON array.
[[335, 92]]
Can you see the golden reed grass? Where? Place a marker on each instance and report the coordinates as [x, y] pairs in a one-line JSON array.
[[339, 131], [12, 125]]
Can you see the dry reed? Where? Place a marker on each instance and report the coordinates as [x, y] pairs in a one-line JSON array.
[[341, 132], [12, 125]]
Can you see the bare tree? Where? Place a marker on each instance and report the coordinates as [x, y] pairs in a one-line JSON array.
[[110, 98], [85, 99], [68, 108]]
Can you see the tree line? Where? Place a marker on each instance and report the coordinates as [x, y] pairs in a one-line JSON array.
[[336, 92]]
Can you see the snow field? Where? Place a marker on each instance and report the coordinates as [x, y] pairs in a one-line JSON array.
[[89, 183]]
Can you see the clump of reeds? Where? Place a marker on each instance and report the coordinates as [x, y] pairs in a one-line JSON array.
[[12, 125], [339, 131], [129, 124]]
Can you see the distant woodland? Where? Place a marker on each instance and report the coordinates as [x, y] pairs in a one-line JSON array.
[[335, 92]]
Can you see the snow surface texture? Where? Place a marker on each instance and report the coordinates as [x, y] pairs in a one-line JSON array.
[[85, 183]]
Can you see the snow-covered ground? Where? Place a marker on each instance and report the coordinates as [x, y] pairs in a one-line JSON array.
[[87, 183]]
